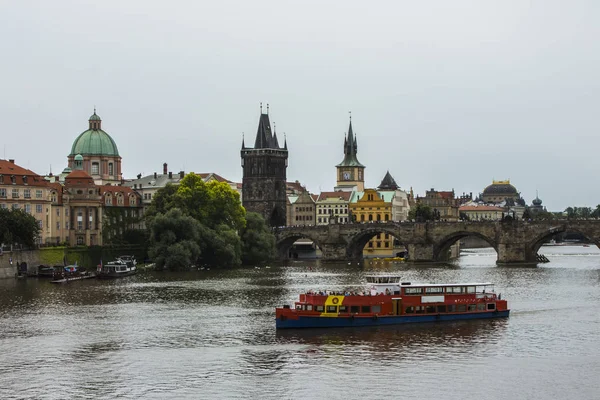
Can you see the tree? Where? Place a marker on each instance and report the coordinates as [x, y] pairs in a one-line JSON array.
[[175, 240], [421, 213], [18, 227], [258, 243], [162, 201], [596, 212]]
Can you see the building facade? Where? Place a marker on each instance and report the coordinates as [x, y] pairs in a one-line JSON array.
[[264, 175], [302, 209], [444, 204], [333, 207]]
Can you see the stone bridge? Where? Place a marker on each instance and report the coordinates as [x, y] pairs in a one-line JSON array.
[[514, 241]]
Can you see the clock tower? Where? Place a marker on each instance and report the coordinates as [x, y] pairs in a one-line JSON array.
[[350, 172]]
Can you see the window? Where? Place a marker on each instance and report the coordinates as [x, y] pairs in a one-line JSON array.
[[28, 208], [38, 208], [58, 212], [38, 194], [3, 193], [491, 306], [40, 224], [413, 290], [79, 240], [376, 309], [67, 225], [472, 307], [15, 193], [319, 308], [15, 206], [110, 169], [343, 309], [430, 309], [108, 200], [365, 309], [480, 307], [441, 309], [309, 307], [452, 308], [461, 307], [354, 309], [410, 310], [332, 309], [434, 290], [58, 225], [27, 193], [95, 168], [454, 289]]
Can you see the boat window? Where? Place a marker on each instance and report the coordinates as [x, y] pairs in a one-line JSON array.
[[309, 307], [410, 310], [343, 309], [461, 308], [472, 307], [470, 289], [454, 289], [413, 290], [480, 307], [451, 308], [419, 309], [320, 308], [331, 309], [298, 307], [354, 309], [430, 309], [376, 309], [434, 290], [365, 309], [491, 306], [441, 309]]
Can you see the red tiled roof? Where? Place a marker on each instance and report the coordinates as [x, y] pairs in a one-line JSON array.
[[334, 195], [315, 197], [446, 195], [125, 191], [79, 178], [9, 169]]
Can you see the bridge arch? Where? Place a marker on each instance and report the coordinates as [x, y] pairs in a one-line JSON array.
[[442, 246], [286, 241], [536, 243], [357, 243]]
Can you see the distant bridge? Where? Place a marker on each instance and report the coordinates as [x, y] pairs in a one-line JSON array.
[[515, 241]]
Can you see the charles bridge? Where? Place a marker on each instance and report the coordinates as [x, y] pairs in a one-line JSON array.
[[515, 241]]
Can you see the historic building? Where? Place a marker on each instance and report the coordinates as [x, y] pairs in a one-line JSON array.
[[481, 212], [443, 203], [350, 172], [399, 198], [101, 159], [500, 191], [333, 207], [372, 206], [302, 209], [264, 174], [24, 189]]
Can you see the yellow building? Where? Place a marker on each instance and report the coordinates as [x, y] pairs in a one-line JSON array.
[[371, 207]]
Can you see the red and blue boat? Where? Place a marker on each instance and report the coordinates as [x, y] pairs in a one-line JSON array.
[[389, 301]]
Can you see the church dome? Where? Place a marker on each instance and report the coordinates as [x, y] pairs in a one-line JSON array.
[[537, 201], [499, 188], [94, 141]]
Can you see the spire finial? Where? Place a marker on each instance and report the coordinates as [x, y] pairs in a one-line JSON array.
[[267, 108], [350, 112], [261, 107], [274, 125]]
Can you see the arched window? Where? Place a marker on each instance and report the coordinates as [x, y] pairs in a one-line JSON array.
[[108, 200], [370, 217], [362, 217], [387, 217], [378, 217]]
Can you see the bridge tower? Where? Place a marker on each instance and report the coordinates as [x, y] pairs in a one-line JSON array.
[[350, 172], [264, 174]]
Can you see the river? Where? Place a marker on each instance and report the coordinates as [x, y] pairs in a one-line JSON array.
[[211, 335]]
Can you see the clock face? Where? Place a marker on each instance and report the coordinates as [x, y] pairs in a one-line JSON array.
[[346, 175]]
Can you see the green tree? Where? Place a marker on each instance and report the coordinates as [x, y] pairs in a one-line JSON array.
[[162, 201], [258, 242], [175, 240], [421, 213], [596, 212], [18, 227]]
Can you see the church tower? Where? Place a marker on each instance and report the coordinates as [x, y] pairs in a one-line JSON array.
[[264, 174], [350, 172]]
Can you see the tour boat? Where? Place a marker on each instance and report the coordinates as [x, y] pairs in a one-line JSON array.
[[116, 269], [389, 301]]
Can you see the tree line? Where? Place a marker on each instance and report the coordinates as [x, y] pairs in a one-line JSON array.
[[199, 223], [18, 227]]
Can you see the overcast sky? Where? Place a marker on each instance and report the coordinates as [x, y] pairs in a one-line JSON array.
[[444, 94]]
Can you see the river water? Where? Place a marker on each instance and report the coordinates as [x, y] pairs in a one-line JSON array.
[[211, 335]]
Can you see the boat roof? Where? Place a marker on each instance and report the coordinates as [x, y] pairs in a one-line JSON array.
[[409, 284]]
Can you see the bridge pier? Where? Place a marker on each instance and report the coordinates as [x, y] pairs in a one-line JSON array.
[[419, 252], [514, 253], [334, 251]]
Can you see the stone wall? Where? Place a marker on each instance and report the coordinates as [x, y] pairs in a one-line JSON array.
[[9, 270]]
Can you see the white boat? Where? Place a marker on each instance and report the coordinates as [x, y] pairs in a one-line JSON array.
[[116, 269]]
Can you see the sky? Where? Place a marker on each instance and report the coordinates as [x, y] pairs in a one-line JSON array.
[[443, 94]]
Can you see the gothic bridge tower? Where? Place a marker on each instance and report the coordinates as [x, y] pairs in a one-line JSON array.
[[264, 174]]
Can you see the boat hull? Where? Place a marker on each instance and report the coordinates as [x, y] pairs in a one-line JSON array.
[[115, 275], [349, 321]]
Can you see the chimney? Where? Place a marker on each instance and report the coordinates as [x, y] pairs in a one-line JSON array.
[[181, 174], [170, 175], [12, 160], [155, 175], [164, 168]]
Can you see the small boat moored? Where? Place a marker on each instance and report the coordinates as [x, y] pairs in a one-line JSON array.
[[389, 301], [116, 269], [70, 273]]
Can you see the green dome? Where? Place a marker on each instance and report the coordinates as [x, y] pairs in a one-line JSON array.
[[95, 117], [94, 142], [78, 157]]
